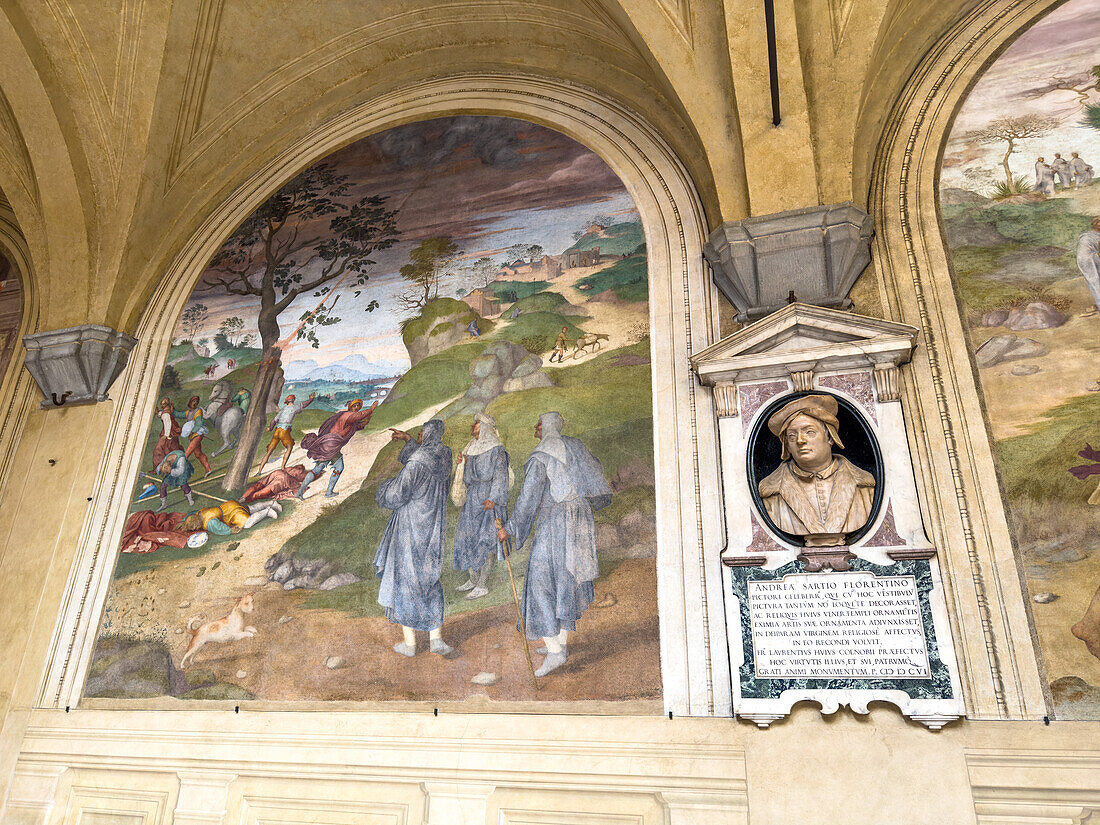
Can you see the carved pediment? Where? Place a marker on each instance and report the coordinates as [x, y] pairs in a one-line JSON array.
[[802, 337]]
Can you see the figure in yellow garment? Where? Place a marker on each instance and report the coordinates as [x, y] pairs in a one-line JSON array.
[[814, 493], [231, 516]]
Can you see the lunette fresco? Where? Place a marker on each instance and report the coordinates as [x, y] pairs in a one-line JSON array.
[[434, 329], [1021, 213]]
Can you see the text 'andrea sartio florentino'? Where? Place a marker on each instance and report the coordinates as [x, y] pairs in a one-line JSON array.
[[838, 625]]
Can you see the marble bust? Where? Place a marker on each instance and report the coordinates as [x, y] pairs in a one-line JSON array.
[[814, 493]]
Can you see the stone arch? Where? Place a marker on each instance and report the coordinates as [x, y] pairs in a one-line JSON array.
[[999, 668], [683, 318]]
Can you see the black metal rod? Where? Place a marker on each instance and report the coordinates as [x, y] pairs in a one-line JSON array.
[[773, 59]]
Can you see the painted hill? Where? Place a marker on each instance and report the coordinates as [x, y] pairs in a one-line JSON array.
[[618, 239]]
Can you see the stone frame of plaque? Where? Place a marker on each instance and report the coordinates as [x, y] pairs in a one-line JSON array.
[[790, 641]]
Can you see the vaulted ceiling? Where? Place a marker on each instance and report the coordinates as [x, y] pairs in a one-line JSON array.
[[123, 123]]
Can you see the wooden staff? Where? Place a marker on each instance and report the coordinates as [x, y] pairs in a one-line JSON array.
[[506, 546], [158, 480]]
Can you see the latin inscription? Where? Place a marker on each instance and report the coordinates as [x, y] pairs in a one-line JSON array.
[[838, 625]]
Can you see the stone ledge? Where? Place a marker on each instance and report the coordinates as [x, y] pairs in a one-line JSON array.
[[76, 365]]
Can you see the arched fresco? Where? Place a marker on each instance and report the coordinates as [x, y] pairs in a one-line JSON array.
[[290, 538], [1020, 204], [11, 310]]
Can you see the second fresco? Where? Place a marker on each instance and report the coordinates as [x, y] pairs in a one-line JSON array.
[[404, 443], [1021, 212]]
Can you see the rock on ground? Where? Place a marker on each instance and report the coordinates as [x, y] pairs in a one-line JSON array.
[[995, 318], [1007, 347], [1043, 598], [335, 662], [1036, 315], [1025, 369], [338, 580], [485, 679]]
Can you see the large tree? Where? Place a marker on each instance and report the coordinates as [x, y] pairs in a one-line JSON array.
[[428, 266], [310, 234], [1010, 130]]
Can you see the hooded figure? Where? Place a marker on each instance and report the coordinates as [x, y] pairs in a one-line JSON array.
[[410, 556], [1088, 259], [1062, 170], [1044, 177], [563, 483], [484, 484], [1082, 172]]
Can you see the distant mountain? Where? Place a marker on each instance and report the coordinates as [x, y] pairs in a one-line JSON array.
[[352, 369], [617, 239]]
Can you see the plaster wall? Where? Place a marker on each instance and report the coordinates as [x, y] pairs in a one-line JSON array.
[[126, 94]]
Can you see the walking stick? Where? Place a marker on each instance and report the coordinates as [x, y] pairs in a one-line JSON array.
[[515, 599]]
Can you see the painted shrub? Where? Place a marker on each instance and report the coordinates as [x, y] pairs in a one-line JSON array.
[[1018, 198], [445, 269]]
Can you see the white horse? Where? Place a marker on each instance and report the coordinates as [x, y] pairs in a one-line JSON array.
[[228, 418]]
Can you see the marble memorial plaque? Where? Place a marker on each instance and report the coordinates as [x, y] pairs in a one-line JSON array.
[[853, 625]]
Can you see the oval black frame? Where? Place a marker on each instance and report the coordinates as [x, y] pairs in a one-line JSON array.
[[863, 451]]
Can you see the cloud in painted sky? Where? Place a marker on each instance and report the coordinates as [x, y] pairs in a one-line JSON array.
[[487, 182]]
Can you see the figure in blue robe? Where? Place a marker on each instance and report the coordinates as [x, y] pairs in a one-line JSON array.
[[483, 487], [563, 483], [410, 557]]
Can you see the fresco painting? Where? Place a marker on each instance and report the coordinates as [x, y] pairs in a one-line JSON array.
[[406, 411], [1021, 212], [11, 310]]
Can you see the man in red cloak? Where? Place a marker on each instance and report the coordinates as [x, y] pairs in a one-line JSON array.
[[325, 445]]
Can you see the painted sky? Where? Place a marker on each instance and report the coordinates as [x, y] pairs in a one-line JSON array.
[[1064, 43], [487, 182]]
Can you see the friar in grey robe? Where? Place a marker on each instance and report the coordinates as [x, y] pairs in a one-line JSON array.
[[1062, 170], [563, 483], [483, 482], [1044, 177], [1088, 259], [410, 557], [1082, 172]]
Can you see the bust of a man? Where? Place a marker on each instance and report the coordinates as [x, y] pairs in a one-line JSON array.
[[815, 493]]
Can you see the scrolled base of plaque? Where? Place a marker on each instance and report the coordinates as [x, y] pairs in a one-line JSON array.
[[842, 638], [836, 557]]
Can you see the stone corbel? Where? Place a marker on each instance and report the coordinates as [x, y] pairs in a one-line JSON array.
[[76, 365], [725, 399], [887, 385], [802, 380], [816, 253]]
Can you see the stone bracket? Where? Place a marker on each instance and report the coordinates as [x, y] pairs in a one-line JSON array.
[[817, 253], [76, 365]]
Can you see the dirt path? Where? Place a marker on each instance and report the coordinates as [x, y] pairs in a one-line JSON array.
[[614, 655], [158, 602], [624, 322]]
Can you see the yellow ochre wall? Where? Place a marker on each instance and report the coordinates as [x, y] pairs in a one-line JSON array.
[[127, 126]]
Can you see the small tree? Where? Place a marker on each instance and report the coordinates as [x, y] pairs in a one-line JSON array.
[[192, 320], [171, 378], [485, 271], [232, 328], [516, 252], [534, 251], [427, 268], [1010, 130]]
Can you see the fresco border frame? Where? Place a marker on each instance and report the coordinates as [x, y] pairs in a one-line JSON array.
[[997, 649], [683, 319]]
